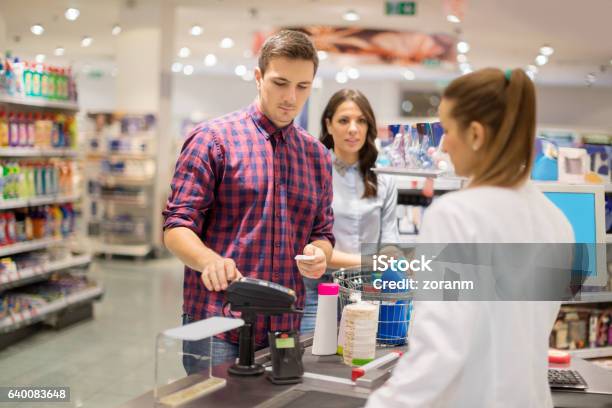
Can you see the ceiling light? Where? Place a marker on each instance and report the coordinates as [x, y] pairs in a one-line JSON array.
[[407, 106], [531, 75], [72, 14], [37, 29], [541, 59], [40, 58], [465, 68], [463, 47], [461, 58], [188, 69], [226, 43], [210, 60], [341, 78], [248, 76], [351, 15], [116, 30], [196, 30], [240, 70], [323, 55], [86, 41], [177, 67], [532, 68], [352, 73], [451, 18], [59, 51], [409, 75], [184, 52], [547, 50]]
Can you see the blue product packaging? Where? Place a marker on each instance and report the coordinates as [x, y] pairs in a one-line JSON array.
[[394, 316]]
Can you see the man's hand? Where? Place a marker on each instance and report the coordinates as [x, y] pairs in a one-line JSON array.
[[316, 268], [217, 274]]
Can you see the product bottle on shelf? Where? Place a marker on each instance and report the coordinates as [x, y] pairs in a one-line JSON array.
[[36, 80], [18, 74], [20, 224], [52, 83], [11, 233], [3, 230], [4, 130], [23, 130], [9, 76], [54, 132], [39, 129], [13, 130], [29, 227], [27, 79], [31, 130], [44, 82], [58, 140]]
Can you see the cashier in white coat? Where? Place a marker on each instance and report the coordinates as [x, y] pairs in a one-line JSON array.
[[483, 354], [364, 202]]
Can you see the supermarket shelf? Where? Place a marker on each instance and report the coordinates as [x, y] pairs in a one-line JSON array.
[[416, 184], [595, 352], [29, 317], [126, 180], [128, 250], [399, 171], [35, 201], [137, 202], [35, 273], [31, 245], [592, 297], [39, 103], [36, 152], [120, 156]]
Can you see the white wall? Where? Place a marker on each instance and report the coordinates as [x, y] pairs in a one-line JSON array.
[[96, 94]]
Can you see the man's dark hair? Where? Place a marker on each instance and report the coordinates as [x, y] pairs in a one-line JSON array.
[[289, 44]]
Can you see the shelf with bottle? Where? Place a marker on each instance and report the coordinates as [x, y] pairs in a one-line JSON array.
[[585, 331], [28, 229], [36, 303], [35, 266], [36, 84], [37, 133]]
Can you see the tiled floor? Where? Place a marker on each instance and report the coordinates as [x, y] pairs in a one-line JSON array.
[[110, 359]]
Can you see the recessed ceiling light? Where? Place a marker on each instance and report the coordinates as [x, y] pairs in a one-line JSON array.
[[210, 60], [547, 50], [463, 47], [322, 55], [461, 58], [541, 59], [226, 43], [532, 68], [240, 70], [72, 14], [188, 69], [531, 74], [408, 75], [116, 30], [86, 41], [196, 30], [37, 29], [177, 67], [184, 52], [40, 58], [341, 77], [451, 18], [351, 15], [59, 51], [352, 73]]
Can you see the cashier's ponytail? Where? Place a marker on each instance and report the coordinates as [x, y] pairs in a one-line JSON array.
[[505, 104]]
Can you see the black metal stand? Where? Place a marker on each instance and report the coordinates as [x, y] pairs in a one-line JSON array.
[[246, 365]]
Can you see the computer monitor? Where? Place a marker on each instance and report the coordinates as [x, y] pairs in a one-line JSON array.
[[584, 206]]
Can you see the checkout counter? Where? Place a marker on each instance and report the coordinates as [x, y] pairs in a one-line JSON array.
[[327, 383]]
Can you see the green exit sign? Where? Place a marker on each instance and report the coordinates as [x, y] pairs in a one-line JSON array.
[[401, 8]]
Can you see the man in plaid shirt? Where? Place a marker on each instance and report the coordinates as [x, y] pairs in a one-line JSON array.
[[251, 190]]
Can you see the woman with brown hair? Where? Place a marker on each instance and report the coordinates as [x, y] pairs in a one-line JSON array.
[[364, 203], [487, 353]]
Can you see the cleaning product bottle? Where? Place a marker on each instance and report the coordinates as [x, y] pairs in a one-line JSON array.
[[4, 130], [13, 130], [6, 181], [60, 121], [29, 228], [31, 130], [54, 134], [44, 82], [11, 233], [52, 83], [18, 72], [36, 80], [27, 79], [58, 221], [23, 130]]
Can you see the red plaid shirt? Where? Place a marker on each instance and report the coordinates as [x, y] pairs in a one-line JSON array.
[[256, 194]]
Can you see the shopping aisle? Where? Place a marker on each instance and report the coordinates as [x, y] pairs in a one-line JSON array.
[[109, 359]]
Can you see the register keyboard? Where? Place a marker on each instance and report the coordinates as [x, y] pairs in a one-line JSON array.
[[566, 379]]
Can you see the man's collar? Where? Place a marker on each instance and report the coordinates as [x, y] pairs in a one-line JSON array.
[[265, 124]]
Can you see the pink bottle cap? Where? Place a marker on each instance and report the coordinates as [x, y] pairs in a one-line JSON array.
[[328, 289]]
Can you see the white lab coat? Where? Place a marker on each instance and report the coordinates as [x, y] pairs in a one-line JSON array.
[[480, 354]]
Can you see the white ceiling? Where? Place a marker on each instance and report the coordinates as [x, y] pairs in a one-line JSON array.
[[501, 33]]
